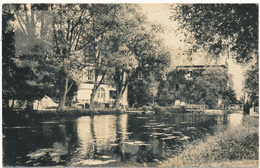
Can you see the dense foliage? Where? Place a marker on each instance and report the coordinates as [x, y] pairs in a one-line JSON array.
[[207, 86], [217, 28], [54, 43]]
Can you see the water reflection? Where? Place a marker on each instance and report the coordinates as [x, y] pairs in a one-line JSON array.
[[105, 139], [235, 119]]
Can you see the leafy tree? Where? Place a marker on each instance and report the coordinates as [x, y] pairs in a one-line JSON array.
[[143, 91], [135, 47], [102, 26], [69, 30], [52, 35], [252, 82], [206, 87], [220, 27], [165, 96], [20, 79], [7, 53], [214, 83], [217, 27]]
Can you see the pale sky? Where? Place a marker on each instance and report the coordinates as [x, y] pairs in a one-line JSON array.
[[160, 13]]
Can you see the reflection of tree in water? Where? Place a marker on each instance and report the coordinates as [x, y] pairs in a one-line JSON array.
[[71, 140], [92, 153], [120, 149]]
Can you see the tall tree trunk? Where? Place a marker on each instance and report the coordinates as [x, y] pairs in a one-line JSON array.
[[93, 99], [119, 96], [95, 88], [118, 100], [63, 92], [12, 106], [94, 92]]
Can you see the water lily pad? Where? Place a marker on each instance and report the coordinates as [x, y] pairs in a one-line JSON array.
[[148, 126], [171, 137], [105, 157], [191, 128], [158, 133], [185, 138], [94, 162], [157, 128], [161, 125], [167, 134], [38, 153], [142, 117]]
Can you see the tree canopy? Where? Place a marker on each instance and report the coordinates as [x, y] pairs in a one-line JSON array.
[[206, 86], [217, 27], [230, 28], [55, 42]]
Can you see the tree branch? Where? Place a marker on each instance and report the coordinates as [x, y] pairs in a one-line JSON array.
[[78, 39], [55, 35], [101, 80], [69, 87], [20, 23]]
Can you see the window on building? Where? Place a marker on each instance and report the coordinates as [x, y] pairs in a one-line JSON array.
[[140, 75], [101, 93], [177, 87], [189, 74], [112, 94], [89, 75]]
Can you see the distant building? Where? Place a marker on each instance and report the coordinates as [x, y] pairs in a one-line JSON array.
[[183, 80], [106, 93]]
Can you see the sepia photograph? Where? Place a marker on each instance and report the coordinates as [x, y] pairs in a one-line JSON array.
[[130, 84]]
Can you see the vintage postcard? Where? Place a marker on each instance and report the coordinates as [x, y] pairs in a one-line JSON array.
[[130, 85]]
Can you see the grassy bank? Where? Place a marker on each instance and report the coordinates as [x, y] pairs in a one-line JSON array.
[[235, 146]]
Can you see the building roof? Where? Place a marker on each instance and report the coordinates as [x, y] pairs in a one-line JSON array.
[[198, 66]]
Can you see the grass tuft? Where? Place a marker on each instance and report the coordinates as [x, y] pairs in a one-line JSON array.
[[225, 146]]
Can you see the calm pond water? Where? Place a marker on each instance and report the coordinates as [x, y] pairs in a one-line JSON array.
[[104, 140]]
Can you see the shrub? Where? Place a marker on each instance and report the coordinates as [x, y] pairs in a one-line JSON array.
[[146, 108]]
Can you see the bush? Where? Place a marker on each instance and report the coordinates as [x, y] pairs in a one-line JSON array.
[[146, 108]]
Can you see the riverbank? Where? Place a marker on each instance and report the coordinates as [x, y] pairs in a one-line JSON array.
[[235, 146]]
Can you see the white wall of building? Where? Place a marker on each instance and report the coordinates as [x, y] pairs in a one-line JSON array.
[[85, 91]]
